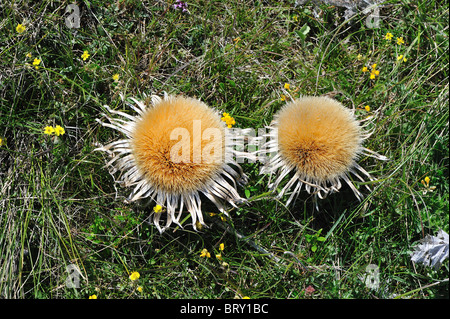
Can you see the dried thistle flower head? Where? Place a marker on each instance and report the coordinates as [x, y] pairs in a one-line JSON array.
[[319, 141], [171, 170]]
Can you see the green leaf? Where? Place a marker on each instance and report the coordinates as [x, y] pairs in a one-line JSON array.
[[303, 32], [247, 193], [313, 248]]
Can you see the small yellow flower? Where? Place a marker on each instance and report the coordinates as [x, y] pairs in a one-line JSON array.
[[115, 77], [359, 57], [401, 57], [134, 276], [223, 218], [389, 36], [157, 209], [400, 41], [364, 69], [29, 55], [287, 86], [198, 225], [36, 63], [228, 120], [85, 55], [295, 18], [219, 257], [283, 97], [245, 297], [140, 289], [205, 253], [93, 297], [20, 28], [426, 182], [212, 214], [59, 130], [374, 72], [2, 141], [221, 246], [49, 130], [367, 108]]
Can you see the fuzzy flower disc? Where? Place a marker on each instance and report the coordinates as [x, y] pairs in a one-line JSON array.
[[318, 136], [155, 140]]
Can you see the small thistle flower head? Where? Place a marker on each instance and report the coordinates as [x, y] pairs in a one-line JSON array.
[[317, 141], [170, 170]]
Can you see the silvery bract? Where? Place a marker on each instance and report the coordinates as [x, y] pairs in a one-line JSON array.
[[432, 250]]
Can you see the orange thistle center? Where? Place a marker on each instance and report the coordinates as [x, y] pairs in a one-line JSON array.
[[318, 136], [179, 144]]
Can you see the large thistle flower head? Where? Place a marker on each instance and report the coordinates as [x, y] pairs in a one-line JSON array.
[[173, 151], [317, 142]]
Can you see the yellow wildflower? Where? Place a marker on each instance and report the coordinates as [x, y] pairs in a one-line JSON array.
[[49, 130], [283, 97], [36, 63], [295, 18], [228, 120], [400, 41], [389, 36], [245, 297], [219, 256], [359, 57], [426, 182], [20, 28], [134, 276], [367, 108], [374, 72], [140, 289], [29, 55], [2, 141], [401, 57], [287, 86], [205, 253], [221, 246], [115, 77], [93, 297], [59, 130], [85, 55], [364, 69], [157, 209], [198, 225]]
